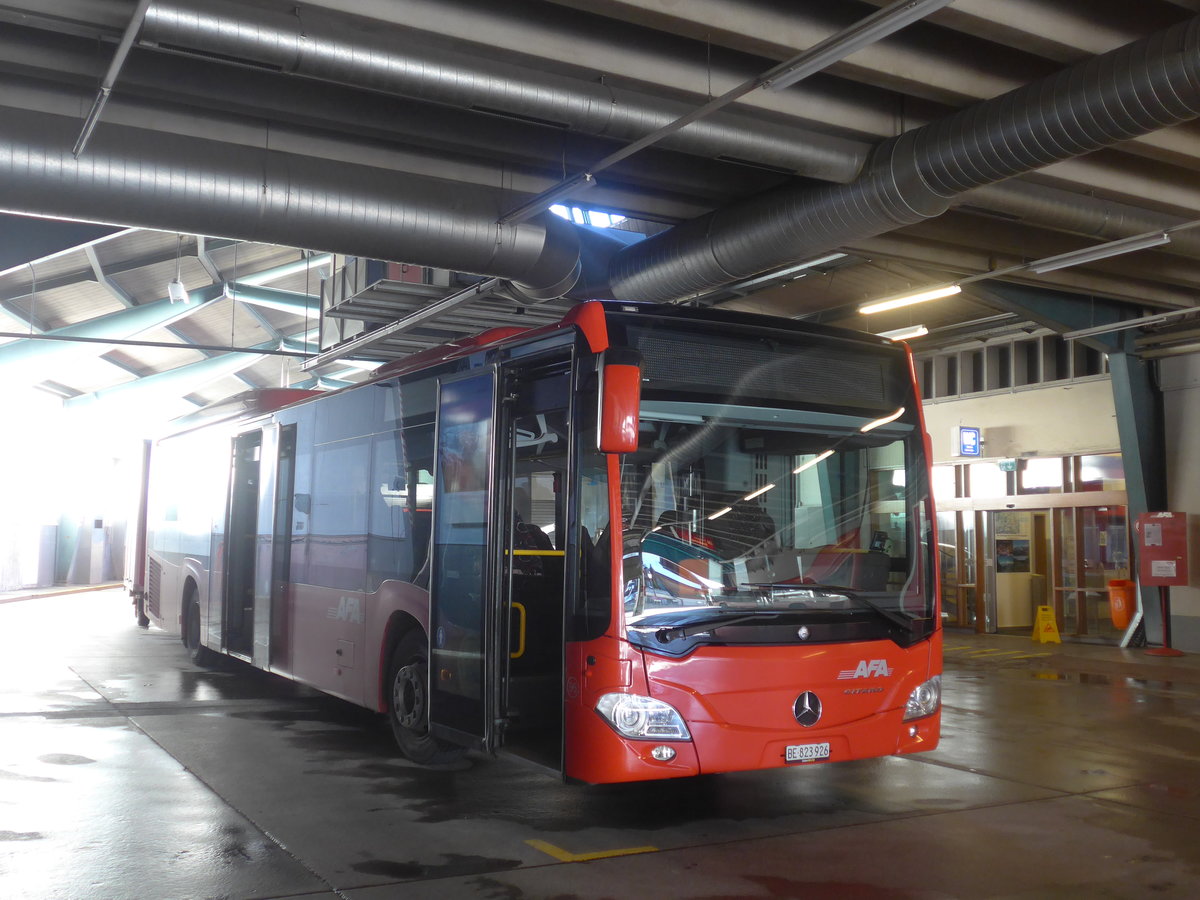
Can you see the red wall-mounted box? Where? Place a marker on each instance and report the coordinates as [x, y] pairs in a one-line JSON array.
[[1165, 546]]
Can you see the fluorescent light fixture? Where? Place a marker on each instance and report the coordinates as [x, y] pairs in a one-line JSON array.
[[812, 462], [720, 513], [783, 273], [176, 292], [871, 426], [838, 46], [903, 334], [762, 490], [1156, 319], [937, 293], [1101, 251]]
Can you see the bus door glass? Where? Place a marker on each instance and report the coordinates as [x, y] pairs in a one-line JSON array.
[[257, 539], [241, 544], [281, 552], [536, 467], [462, 633]]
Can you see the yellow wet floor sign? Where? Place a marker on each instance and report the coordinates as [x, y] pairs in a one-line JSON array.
[[1045, 629]]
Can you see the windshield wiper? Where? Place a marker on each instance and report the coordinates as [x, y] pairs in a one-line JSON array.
[[893, 616], [666, 635]]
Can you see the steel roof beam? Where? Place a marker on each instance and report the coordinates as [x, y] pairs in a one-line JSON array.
[[103, 280]]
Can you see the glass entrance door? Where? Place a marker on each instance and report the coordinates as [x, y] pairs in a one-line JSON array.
[[1092, 550], [1021, 551], [958, 558]]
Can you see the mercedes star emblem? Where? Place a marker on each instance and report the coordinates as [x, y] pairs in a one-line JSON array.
[[808, 709]]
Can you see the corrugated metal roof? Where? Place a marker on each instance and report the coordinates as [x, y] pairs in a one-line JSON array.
[[70, 304]]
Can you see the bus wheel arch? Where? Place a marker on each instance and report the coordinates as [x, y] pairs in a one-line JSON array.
[[406, 695], [190, 627]]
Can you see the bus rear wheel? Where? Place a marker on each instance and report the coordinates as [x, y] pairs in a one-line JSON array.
[[200, 654], [408, 704]]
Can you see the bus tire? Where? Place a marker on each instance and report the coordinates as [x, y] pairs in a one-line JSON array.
[[200, 655], [408, 704]]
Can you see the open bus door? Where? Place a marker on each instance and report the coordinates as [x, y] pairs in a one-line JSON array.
[[257, 542], [463, 634], [534, 557], [497, 577]]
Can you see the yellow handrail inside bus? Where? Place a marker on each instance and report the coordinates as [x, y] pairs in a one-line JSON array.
[[520, 608], [538, 552]]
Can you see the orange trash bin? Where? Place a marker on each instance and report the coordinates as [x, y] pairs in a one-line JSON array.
[[1121, 602]]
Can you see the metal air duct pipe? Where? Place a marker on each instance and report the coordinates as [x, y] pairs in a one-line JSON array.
[[160, 180], [1048, 207], [325, 46], [1150, 84], [317, 44]]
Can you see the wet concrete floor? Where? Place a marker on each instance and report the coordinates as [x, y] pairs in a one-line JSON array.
[[1069, 771]]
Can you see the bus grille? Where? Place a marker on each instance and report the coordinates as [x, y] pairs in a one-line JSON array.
[[153, 588]]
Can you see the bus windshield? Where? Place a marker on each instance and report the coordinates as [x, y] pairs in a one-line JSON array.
[[768, 516]]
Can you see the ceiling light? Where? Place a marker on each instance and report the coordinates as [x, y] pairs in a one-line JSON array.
[[903, 334], [720, 513], [177, 292], [1101, 251], [783, 273], [871, 426], [909, 299], [868, 31]]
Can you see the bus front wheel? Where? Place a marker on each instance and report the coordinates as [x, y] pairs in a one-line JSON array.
[[408, 704]]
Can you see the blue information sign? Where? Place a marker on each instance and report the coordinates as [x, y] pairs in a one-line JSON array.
[[969, 441]]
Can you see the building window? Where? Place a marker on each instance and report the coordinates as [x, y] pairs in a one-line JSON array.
[[1041, 476]]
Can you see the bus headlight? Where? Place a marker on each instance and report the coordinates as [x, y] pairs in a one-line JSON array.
[[645, 718], [924, 700]]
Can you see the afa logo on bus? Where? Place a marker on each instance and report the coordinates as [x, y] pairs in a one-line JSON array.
[[867, 668]]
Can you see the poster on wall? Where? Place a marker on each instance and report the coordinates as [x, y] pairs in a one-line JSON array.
[[1014, 524], [1012, 556]]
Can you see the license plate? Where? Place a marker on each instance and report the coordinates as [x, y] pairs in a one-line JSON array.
[[807, 752]]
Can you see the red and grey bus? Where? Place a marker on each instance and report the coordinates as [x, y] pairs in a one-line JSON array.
[[645, 542]]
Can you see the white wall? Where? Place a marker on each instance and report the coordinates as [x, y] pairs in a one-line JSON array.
[[1180, 380], [1080, 417], [1055, 420]]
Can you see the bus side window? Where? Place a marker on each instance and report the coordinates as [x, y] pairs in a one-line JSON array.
[[419, 478], [337, 538], [593, 597], [389, 539]]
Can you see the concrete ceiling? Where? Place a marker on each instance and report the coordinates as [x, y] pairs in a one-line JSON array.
[[388, 130]]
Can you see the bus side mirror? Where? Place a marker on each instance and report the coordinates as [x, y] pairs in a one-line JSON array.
[[620, 397]]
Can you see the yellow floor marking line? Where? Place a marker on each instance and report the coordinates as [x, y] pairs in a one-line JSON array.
[[1032, 656], [564, 856], [994, 652]]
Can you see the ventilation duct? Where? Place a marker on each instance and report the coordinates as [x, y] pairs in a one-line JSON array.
[[375, 56], [1150, 84], [148, 179], [159, 180], [331, 48], [1049, 207]]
